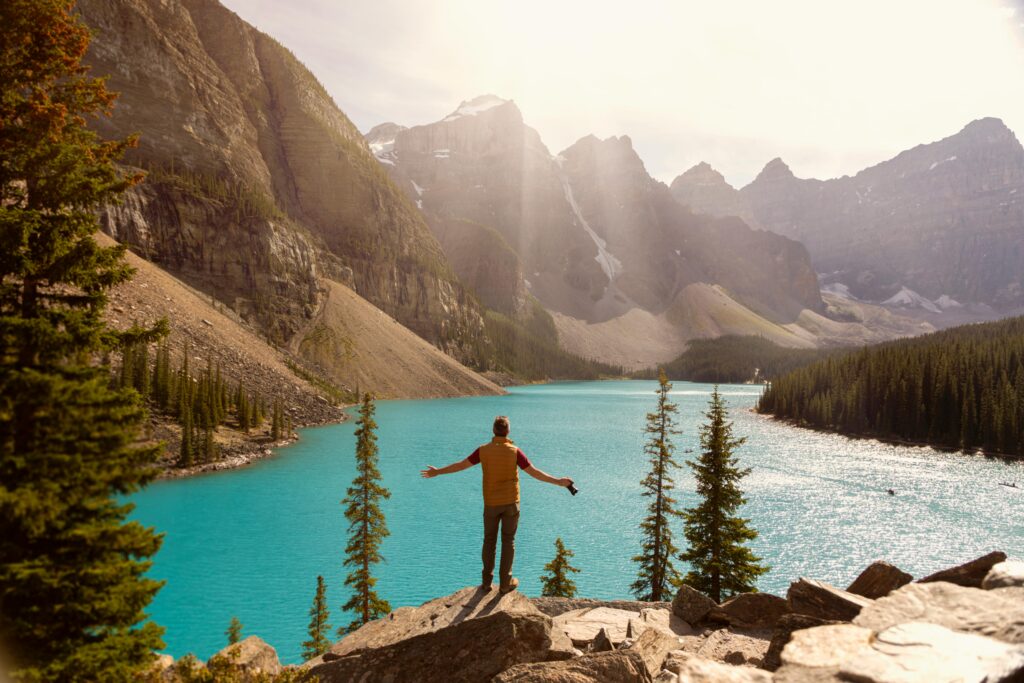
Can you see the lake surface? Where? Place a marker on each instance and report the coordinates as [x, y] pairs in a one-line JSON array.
[[250, 542]]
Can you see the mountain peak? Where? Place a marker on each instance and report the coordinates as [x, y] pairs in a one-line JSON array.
[[477, 105], [702, 174], [987, 130], [776, 169]]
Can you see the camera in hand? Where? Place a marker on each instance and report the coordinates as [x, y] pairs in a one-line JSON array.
[[572, 488]]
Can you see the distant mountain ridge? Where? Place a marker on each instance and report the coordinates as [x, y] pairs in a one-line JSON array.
[[597, 239], [943, 221]]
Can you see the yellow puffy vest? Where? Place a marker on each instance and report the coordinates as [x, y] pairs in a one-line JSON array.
[[501, 472]]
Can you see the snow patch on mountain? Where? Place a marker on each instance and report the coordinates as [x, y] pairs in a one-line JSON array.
[[475, 106], [908, 298], [946, 301], [932, 167], [609, 264], [839, 289]]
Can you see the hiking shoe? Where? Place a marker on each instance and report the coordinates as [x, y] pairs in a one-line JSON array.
[[512, 585], [485, 587]]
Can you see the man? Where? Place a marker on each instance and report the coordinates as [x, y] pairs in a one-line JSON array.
[[498, 460]]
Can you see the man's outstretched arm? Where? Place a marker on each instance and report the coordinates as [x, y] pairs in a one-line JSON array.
[[547, 478], [432, 471]]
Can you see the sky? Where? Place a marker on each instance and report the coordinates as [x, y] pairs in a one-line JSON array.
[[830, 87]]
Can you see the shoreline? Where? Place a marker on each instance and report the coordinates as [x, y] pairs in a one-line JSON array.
[[247, 454], [891, 441]]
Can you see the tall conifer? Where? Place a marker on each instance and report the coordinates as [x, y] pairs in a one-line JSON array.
[[721, 565], [558, 583], [319, 628], [657, 575], [367, 526], [72, 584]]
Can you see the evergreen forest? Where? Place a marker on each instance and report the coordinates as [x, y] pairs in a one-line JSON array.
[[961, 388]]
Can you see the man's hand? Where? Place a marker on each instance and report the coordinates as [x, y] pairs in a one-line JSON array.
[[564, 481], [431, 471]]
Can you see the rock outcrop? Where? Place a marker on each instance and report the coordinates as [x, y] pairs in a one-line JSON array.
[[942, 220]]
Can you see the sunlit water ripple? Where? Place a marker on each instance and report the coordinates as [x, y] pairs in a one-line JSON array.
[[251, 542]]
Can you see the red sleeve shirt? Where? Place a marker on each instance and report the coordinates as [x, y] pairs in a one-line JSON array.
[[521, 459]]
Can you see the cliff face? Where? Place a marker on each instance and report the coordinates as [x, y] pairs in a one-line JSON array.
[[596, 236], [260, 184], [945, 220]]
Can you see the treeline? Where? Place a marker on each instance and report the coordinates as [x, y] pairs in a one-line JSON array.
[[961, 388], [733, 359], [198, 403], [516, 350]]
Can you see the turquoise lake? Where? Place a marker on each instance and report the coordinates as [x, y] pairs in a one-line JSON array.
[[250, 542]]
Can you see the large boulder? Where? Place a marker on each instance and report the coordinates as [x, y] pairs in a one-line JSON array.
[[663, 620], [969, 574], [732, 647], [583, 625], [782, 633], [997, 613], [691, 605], [928, 652], [1006, 574], [825, 601], [691, 668], [653, 646], [467, 652], [406, 622], [621, 666], [250, 656], [878, 580], [751, 610], [825, 647]]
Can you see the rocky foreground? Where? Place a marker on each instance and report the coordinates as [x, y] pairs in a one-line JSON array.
[[962, 624]]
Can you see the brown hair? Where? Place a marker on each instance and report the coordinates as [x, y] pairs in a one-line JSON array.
[[501, 426]]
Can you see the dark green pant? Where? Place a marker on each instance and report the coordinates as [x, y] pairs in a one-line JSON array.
[[507, 516]]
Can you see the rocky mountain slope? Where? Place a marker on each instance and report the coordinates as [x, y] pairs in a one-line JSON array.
[[627, 272], [259, 186], [348, 341], [936, 228]]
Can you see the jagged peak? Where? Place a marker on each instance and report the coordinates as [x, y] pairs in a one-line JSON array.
[[701, 174], [987, 124], [477, 105], [776, 169]]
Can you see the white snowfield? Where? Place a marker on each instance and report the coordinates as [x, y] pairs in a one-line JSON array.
[[475, 106], [609, 264], [909, 298]]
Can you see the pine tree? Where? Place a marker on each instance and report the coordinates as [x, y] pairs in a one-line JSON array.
[[185, 455], [234, 631], [721, 565], [72, 568], [319, 628], [557, 582], [276, 423], [657, 575], [367, 527]]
